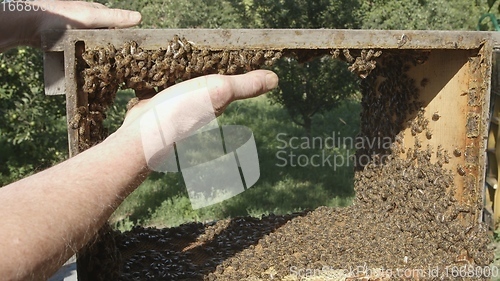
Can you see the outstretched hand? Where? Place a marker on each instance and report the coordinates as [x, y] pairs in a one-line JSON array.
[[186, 107], [78, 14]]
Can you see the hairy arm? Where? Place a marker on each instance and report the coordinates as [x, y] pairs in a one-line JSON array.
[[49, 216]]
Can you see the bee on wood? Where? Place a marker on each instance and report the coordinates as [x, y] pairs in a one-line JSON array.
[[257, 57], [158, 54], [436, 116], [110, 50], [133, 47], [232, 69], [224, 57], [428, 134], [204, 52], [179, 53], [369, 55], [101, 55], [347, 55], [460, 170], [335, 53], [89, 58], [175, 43], [80, 113], [276, 57], [363, 54], [186, 44], [269, 54], [141, 56]]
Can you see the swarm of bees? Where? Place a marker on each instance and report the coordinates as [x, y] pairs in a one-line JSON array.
[[404, 209], [180, 60], [107, 69], [362, 65]]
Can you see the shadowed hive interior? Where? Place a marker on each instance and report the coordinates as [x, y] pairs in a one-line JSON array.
[[418, 198]]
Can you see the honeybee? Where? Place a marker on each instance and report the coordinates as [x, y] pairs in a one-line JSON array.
[[179, 53], [80, 113], [232, 69], [347, 55], [461, 170], [110, 50], [224, 57], [89, 58], [158, 76], [428, 134], [176, 43], [335, 53], [269, 54], [436, 116]]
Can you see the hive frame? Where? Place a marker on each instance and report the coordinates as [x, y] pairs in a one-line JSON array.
[[61, 48]]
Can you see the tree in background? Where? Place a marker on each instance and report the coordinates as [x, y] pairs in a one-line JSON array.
[[421, 14], [318, 85], [186, 14], [32, 126], [305, 14], [313, 87]]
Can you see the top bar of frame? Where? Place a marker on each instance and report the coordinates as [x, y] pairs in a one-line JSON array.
[[278, 39]]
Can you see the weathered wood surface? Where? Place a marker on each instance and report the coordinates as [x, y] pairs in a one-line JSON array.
[[274, 38]]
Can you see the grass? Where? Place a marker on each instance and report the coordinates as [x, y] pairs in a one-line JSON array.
[[162, 200]]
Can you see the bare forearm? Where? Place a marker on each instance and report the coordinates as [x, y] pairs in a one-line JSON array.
[[57, 211]]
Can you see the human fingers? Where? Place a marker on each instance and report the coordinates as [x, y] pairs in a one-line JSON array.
[[218, 91], [99, 16], [80, 14], [225, 89], [179, 111]]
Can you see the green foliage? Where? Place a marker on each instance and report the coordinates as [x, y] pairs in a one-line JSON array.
[[306, 14], [318, 85], [421, 14], [186, 14], [32, 126], [313, 87]]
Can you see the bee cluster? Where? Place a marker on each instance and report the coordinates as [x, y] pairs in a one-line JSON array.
[[404, 216], [363, 64], [106, 69], [390, 99], [192, 251]]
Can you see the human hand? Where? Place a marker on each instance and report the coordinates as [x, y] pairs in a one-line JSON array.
[[23, 24], [80, 14], [181, 109]]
